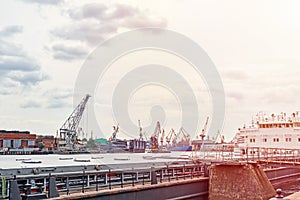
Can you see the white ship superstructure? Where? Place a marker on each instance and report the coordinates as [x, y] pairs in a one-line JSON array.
[[280, 131]]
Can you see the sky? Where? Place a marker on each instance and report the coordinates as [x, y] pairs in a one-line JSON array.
[[253, 44]]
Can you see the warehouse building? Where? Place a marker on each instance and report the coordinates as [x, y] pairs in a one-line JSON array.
[[17, 139]]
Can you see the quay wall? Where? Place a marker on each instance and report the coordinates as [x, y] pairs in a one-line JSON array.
[[239, 181]]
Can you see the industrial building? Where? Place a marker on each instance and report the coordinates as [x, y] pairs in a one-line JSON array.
[[46, 142], [17, 139]]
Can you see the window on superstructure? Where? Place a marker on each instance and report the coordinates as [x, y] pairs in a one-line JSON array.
[[298, 139], [265, 140], [252, 140], [275, 139], [288, 139]]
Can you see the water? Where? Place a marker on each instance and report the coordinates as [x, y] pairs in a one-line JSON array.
[[290, 188], [52, 160]]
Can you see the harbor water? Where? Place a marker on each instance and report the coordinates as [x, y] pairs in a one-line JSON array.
[[54, 160]]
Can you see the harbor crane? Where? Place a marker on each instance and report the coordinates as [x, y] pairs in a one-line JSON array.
[[186, 136], [162, 137], [68, 132], [202, 135], [140, 130], [216, 137], [154, 137], [114, 134], [183, 136], [170, 135]]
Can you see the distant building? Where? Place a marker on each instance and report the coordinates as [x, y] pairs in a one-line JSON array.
[[17, 139], [46, 141]]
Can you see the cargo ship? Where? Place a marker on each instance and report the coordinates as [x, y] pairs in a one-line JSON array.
[[183, 145], [115, 145]]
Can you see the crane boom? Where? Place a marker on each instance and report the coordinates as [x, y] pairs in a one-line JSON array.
[[68, 131], [186, 135], [204, 129], [162, 137], [154, 137], [141, 130], [169, 136]]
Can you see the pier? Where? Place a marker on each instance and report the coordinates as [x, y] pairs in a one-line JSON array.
[[179, 178], [183, 179]]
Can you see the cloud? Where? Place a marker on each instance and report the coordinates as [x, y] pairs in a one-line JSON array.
[[235, 95], [18, 64], [17, 74], [92, 23], [129, 16], [11, 30], [69, 51], [58, 97], [59, 93], [47, 98], [44, 2], [92, 10], [8, 49], [31, 104], [89, 31], [17, 70], [287, 94], [28, 79], [57, 104], [235, 74]]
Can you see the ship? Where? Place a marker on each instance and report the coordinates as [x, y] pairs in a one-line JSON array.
[[184, 143], [181, 148], [280, 131], [116, 145]]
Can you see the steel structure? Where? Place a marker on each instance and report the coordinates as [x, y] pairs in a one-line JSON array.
[[68, 131], [185, 135], [140, 130], [114, 134], [170, 135], [202, 135], [154, 137]]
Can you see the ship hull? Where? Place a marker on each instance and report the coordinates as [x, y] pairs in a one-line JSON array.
[[125, 146], [182, 148]]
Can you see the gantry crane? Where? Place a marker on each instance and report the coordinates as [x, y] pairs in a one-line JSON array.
[[68, 132]]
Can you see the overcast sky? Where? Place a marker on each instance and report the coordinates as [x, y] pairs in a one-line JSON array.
[[254, 45]]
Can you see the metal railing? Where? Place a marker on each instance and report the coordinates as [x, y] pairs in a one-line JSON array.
[[82, 181]]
